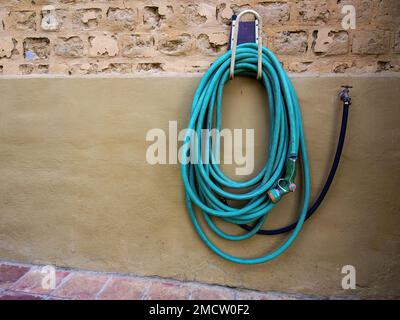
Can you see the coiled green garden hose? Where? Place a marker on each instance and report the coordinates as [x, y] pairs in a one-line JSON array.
[[205, 183]]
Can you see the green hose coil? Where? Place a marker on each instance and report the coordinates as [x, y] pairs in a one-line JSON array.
[[205, 183]]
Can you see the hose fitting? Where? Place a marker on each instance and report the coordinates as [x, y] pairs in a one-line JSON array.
[[345, 94], [285, 185]]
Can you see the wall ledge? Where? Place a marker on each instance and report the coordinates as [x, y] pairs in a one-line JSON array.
[[195, 75]]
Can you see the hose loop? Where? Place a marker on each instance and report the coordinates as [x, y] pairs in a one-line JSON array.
[[208, 189]]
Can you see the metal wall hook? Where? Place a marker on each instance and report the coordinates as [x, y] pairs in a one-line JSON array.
[[235, 40]]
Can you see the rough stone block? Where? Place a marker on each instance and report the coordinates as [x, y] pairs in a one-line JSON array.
[[388, 12], [122, 18], [151, 17], [299, 66], [175, 45], [3, 18], [224, 13], [117, 67], [313, 11], [84, 68], [396, 45], [103, 45], [72, 47], [195, 14], [36, 48], [87, 19], [213, 44], [137, 45], [7, 46], [340, 67], [22, 20], [150, 66], [52, 19], [157, 16], [290, 42], [364, 10], [330, 42], [370, 42], [275, 13], [30, 68]]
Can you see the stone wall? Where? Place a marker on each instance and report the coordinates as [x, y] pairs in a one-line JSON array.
[[126, 36]]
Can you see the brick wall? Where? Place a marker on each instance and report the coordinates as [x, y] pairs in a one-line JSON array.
[[126, 36]]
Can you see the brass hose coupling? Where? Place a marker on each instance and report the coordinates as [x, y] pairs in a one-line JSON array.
[[284, 185]]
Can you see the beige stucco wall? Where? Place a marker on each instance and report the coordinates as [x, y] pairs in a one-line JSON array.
[[75, 189]]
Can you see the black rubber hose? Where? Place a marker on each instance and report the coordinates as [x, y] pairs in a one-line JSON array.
[[324, 191]]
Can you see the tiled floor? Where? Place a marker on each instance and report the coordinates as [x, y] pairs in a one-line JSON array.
[[29, 282]]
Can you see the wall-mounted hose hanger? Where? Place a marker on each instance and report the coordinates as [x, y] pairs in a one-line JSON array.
[[207, 187]]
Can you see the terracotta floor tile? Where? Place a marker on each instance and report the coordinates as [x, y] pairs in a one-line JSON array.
[[32, 282], [81, 285], [124, 289], [210, 293], [7, 295], [166, 290], [250, 295], [10, 273]]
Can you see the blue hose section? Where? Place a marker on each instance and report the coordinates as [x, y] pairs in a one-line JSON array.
[[327, 185], [204, 182]]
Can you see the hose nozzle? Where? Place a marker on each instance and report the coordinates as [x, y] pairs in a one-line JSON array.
[[285, 185]]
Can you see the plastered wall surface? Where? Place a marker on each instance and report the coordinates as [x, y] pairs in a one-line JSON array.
[[76, 190], [138, 36]]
